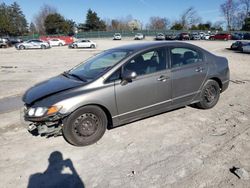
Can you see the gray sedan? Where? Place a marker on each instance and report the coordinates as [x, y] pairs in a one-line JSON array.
[[33, 44], [124, 84]]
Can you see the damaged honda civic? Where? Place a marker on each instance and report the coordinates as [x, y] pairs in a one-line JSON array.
[[122, 85]]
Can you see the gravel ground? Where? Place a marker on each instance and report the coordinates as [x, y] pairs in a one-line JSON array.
[[182, 148]]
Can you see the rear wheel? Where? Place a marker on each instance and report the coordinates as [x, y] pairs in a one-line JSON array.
[[43, 47], [60, 44], [85, 126], [210, 95]]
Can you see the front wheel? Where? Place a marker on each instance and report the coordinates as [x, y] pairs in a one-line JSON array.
[[21, 47], [210, 95], [85, 126], [92, 46]]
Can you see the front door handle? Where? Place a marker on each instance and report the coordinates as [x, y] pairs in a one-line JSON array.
[[199, 69], [163, 78]]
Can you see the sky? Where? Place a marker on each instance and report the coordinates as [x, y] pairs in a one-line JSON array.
[[141, 10]]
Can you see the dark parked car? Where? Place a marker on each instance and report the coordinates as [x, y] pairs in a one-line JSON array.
[[184, 36], [122, 85], [246, 36], [238, 45], [221, 36], [237, 36], [170, 37]]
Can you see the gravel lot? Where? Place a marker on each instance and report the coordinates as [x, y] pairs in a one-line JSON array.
[[182, 148]]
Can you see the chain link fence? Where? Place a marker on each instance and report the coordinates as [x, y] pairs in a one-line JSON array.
[[109, 34]]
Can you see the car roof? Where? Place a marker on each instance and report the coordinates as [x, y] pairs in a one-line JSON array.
[[155, 44]]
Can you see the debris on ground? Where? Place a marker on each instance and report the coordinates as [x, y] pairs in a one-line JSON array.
[[132, 173], [219, 132], [241, 173], [239, 81], [8, 67]]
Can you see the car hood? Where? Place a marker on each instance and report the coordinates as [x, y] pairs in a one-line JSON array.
[[49, 87]]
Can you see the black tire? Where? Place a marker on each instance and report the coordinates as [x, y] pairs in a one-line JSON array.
[[92, 46], [43, 47], [75, 46], [210, 95], [85, 126], [60, 44], [21, 47]]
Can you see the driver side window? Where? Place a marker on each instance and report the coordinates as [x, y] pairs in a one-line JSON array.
[[148, 62]]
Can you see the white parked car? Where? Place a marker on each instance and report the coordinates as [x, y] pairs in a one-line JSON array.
[[32, 44], [246, 48], [117, 36], [83, 43], [56, 42], [206, 37], [139, 36], [160, 36]]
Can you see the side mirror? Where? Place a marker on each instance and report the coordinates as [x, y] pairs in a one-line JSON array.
[[128, 76]]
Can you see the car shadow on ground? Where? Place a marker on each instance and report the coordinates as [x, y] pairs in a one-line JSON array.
[[53, 176]]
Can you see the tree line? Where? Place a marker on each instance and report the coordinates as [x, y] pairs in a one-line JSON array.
[[49, 21]]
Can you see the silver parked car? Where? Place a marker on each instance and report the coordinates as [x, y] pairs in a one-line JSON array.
[[160, 36], [117, 36], [122, 85], [139, 36], [32, 44], [83, 43]]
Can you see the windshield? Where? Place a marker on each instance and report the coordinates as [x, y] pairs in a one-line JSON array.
[[97, 65]]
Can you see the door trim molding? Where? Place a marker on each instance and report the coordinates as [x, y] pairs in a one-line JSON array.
[[143, 108]]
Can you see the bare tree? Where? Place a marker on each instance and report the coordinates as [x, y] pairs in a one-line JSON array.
[[246, 7], [123, 23], [158, 23], [217, 25], [238, 20], [189, 17], [229, 11], [41, 16]]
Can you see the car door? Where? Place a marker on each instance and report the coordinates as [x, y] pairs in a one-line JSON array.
[[80, 43], [150, 91], [36, 43], [28, 44], [87, 44], [83, 44], [54, 42], [189, 70]]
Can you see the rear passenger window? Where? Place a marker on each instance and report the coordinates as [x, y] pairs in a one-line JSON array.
[[185, 56], [148, 62]]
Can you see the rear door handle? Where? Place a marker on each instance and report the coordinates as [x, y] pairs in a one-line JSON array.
[[163, 78], [199, 69]]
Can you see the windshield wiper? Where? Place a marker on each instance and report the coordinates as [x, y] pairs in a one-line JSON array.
[[67, 74]]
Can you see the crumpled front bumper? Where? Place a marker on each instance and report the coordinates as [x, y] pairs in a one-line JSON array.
[[45, 129], [43, 126]]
